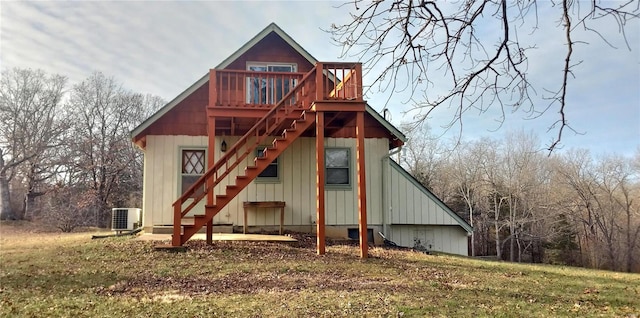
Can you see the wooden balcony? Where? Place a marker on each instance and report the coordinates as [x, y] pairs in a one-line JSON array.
[[250, 90]]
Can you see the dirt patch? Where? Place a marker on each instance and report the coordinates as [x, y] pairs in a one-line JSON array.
[[257, 275]]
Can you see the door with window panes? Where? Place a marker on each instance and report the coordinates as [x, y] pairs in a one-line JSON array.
[[268, 89], [193, 167]]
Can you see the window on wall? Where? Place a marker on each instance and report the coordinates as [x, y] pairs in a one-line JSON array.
[[337, 166], [193, 165], [268, 89], [271, 172]]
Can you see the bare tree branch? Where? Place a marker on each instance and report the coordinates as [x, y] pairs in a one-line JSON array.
[[446, 55]]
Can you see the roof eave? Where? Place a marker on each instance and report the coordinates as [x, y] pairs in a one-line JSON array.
[[166, 108], [386, 124]]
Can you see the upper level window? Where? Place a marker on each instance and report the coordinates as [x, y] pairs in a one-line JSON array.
[[193, 164], [265, 88], [337, 167]]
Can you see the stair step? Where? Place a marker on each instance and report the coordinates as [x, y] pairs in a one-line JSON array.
[[266, 151]]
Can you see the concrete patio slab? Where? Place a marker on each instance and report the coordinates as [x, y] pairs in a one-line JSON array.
[[222, 237]]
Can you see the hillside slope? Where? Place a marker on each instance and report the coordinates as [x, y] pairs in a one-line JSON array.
[[53, 274]]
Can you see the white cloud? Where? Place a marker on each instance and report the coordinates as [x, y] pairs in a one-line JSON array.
[[163, 47]]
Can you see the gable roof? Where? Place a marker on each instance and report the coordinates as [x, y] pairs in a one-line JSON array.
[[266, 31], [271, 28]]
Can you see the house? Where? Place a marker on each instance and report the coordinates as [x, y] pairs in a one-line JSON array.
[[272, 137]]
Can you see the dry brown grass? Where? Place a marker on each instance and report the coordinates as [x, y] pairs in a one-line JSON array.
[[47, 274]]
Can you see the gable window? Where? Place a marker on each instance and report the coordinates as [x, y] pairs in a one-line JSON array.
[[337, 167], [193, 164], [271, 172], [268, 89]]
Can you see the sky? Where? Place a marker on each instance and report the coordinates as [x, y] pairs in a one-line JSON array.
[[161, 48]]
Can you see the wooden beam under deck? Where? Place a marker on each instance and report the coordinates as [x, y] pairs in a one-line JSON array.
[[339, 106], [249, 112]]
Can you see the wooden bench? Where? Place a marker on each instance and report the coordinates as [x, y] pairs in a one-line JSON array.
[[263, 204]]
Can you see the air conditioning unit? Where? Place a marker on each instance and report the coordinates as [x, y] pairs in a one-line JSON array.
[[125, 219]]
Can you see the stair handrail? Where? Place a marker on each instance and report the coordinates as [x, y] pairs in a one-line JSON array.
[[233, 150]]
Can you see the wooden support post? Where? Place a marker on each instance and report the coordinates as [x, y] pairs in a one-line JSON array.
[[320, 183], [362, 185], [176, 239], [211, 131]]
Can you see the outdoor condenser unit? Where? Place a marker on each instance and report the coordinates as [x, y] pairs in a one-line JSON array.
[[125, 219]]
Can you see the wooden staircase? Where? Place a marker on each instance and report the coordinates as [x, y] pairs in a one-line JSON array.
[[287, 120], [282, 142]]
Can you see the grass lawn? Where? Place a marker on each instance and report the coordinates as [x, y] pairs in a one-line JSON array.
[[70, 275]]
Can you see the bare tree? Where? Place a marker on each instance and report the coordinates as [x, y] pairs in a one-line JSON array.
[[418, 45], [571, 207], [626, 198], [104, 158], [69, 207], [466, 173], [29, 109], [422, 155]]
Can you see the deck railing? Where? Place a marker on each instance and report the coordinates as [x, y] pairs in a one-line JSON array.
[[251, 89], [341, 81]]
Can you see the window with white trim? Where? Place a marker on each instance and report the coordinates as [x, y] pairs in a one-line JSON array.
[[337, 167], [192, 168]]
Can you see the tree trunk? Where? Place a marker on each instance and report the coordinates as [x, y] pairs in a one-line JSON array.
[[29, 205], [498, 247], [512, 230], [473, 243], [497, 227], [5, 197]]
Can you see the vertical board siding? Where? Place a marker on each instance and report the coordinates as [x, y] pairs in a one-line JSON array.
[[448, 239], [296, 185], [161, 171], [411, 205], [342, 204]]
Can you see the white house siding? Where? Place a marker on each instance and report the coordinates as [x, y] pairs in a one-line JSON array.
[[448, 239], [161, 171], [411, 203], [414, 212], [296, 185]]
